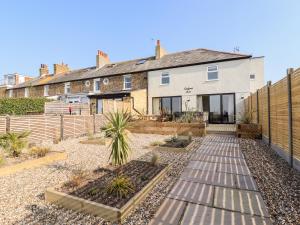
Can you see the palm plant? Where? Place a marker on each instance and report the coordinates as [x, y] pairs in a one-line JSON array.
[[13, 143], [116, 129]]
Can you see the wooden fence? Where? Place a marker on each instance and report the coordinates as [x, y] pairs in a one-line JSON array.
[[57, 108], [49, 128], [277, 108]]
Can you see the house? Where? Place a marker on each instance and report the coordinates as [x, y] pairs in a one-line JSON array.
[[196, 80], [10, 80]]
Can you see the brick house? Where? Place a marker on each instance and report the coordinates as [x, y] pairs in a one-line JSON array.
[[199, 79]]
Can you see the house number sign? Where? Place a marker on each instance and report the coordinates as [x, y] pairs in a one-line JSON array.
[[188, 89]]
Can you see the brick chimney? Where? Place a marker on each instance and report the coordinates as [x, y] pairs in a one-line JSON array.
[[60, 68], [44, 70], [159, 51], [101, 59]]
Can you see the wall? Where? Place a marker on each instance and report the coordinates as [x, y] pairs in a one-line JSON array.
[[140, 100], [234, 77], [273, 114]]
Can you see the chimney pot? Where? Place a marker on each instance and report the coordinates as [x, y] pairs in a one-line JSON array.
[[157, 42], [101, 59]]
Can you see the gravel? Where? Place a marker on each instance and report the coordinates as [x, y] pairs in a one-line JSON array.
[[22, 194], [278, 183]]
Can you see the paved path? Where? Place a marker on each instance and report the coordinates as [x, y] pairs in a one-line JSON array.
[[216, 188]]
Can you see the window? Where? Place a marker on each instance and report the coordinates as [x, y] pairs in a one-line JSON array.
[[127, 82], [165, 79], [97, 85], [67, 88], [26, 94], [212, 73], [168, 105], [252, 76], [10, 93], [141, 61], [46, 90]]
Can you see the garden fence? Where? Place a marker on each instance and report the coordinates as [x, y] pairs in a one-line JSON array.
[[52, 127], [276, 107]]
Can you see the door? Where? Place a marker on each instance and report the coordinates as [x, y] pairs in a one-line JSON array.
[[99, 106], [222, 108]]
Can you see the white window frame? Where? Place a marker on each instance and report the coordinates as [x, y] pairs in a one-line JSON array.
[[46, 90], [216, 70], [251, 75], [97, 80], [66, 87], [124, 82], [26, 92], [10, 93], [165, 74]]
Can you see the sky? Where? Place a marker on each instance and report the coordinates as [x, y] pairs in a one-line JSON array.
[[37, 32]]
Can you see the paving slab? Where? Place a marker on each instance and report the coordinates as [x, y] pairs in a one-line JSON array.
[[198, 165], [209, 177], [192, 192], [235, 169], [245, 182], [218, 159], [169, 213], [249, 202], [218, 152], [204, 215], [225, 145], [221, 139]]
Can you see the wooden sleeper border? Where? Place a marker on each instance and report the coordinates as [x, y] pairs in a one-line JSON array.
[[106, 212]]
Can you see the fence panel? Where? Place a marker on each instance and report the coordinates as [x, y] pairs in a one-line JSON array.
[[279, 114], [56, 108], [295, 86], [2, 124], [263, 110], [253, 107]]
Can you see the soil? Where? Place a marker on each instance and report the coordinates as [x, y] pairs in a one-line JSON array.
[[93, 141], [94, 186]]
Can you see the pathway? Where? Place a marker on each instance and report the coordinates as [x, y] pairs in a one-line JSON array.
[[216, 188]]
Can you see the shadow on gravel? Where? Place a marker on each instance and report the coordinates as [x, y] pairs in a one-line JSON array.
[[278, 182]]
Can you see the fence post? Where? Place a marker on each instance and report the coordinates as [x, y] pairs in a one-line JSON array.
[[7, 129], [94, 123], [269, 111], [290, 114], [61, 127], [257, 108]]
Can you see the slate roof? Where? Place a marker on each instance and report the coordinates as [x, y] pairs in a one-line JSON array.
[[178, 59]]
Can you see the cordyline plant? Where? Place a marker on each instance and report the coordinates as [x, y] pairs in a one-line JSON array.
[[14, 143], [116, 129]]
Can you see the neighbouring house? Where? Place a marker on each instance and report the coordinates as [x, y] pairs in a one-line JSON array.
[[10, 80], [202, 80]]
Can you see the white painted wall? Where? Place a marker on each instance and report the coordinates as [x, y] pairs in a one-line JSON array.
[[234, 77]]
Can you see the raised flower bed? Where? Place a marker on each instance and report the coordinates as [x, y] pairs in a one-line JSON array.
[[92, 197], [167, 128], [250, 130]]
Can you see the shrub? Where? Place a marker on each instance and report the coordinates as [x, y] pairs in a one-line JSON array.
[[120, 186], [2, 160], [14, 143], [21, 106], [155, 159], [39, 151], [76, 179], [116, 129], [246, 118], [106, 129], [156, 143]]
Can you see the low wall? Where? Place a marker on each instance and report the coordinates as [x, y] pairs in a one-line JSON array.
[[167, 128]]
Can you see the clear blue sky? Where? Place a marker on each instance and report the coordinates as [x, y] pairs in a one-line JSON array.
[[49, 31]]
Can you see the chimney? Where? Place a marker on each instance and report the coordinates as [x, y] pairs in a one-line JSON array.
[[101, 59], [60, 68], [44, 70], [159, 51]]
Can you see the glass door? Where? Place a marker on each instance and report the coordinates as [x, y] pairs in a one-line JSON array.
[[222, 108], [215, 109]]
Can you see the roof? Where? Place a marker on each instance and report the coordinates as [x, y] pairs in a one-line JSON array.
[[178, 59]]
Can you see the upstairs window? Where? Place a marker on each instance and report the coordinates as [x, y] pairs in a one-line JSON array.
[[26, 93], [46, 90], [252, 76], [127, 82], [165, 79], [212, 73], [67, 88], [97, 85]]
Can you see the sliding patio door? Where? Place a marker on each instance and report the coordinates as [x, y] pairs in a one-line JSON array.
[[222, 108]]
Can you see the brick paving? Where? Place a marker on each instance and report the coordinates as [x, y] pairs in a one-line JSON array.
[[216, 188]]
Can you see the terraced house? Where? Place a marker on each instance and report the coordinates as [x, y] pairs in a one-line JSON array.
[[202, 80]]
